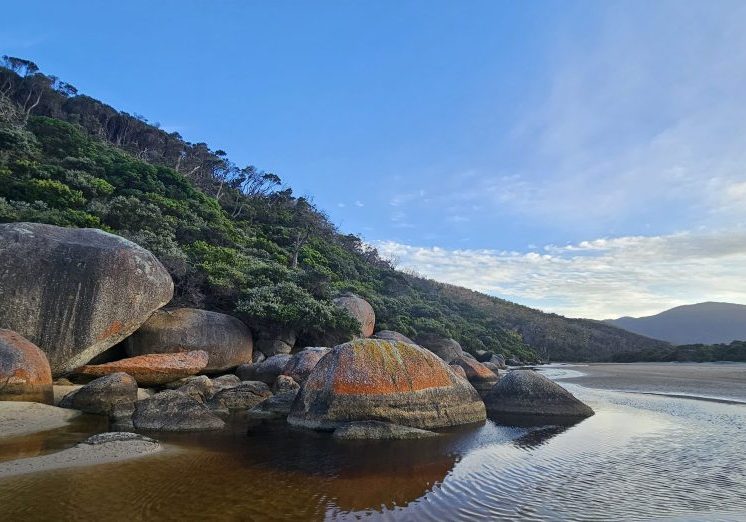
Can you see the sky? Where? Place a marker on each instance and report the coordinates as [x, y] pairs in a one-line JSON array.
[[585, 158]]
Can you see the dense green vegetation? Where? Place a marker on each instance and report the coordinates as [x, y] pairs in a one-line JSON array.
[[735, 351], [234, 238]]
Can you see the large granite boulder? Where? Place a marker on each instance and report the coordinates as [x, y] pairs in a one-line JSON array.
[[396, 382], [76, 292], [481, 377], [24, 369], [526, 392], [173, 411], [266, 371], [149, 370], [246, 395], [102, 395], [361, 310], [447, 349], [226, 340], [376, 430], [390, 335], [301, 364]]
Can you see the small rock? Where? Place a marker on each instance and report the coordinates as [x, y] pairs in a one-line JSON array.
[[301, 364], [266, 371], [173, 411], [102, 394], [377, 430], [277, 406], [24, 370], [225, 381], [481, 377], [246, 395], [285, 384]]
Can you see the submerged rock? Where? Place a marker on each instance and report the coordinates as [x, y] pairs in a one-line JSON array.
[[526, 392], [387, 381], [301, 364], [377, 430], [390, 335], [447, 349], [101, 395], [226, 340], [24, 370], [75, 292], [173, 411], [481, 377], [149, 370], [361, 310]]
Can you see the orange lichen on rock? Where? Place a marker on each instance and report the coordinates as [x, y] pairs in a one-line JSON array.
[[113, 329], [152, 369], [21, 361], [387, 367]]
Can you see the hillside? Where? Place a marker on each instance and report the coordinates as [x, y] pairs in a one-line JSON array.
[[234, 238], [702, 323]]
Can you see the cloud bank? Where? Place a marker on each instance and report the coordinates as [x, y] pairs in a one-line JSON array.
[[602, 278]]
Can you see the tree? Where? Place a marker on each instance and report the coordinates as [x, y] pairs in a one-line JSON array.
[[20, 66]]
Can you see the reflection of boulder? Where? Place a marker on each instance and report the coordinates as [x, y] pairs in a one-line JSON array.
[[540, 436]]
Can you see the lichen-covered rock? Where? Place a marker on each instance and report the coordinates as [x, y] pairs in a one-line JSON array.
[[173, 411], [481, 377], [301, 364], [390, 335], [76, 292], [376, 430], [24, 369], [388, 381], [246, 395], [149, 370], [526, 392], [361, 310], [101, 395], [226, 340], [447, 349], [458, 370], [266, 371], [492, 366]]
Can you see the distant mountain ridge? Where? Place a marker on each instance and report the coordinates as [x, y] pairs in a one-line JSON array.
[[702, 323]]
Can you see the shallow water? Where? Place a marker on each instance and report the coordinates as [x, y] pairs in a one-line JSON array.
[[640, 457]]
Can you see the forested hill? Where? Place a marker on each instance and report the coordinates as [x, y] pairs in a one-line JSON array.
[[234, 238]]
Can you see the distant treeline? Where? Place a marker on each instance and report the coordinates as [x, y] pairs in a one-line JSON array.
[[735, 351]]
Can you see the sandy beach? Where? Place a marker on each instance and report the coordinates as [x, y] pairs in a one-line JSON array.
[[706, 380]]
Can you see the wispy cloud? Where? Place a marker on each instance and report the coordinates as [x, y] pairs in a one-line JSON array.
[[600, 278]]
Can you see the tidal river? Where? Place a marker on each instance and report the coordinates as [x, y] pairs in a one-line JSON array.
[[672, 448]]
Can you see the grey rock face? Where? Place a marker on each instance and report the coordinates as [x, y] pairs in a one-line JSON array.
[[447, 349], [173, 411], [246, 395], [278, 406], [285, 384], [116, 436], [76, 292], [376, 430], [266, 371], [274, 342], [361, 310], [301, 364], [226, 340], [390, 335], [101, 395], [526, 392]]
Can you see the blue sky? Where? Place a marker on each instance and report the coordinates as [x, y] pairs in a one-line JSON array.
[[581, 157]]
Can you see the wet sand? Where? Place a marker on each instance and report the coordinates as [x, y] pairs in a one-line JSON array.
[[703, 380]]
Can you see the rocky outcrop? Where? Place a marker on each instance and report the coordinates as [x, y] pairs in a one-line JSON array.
[[447, 349], [376, 430], [24, 369], [458, 370], [266, 371], [387, 381], [481, 377], [226, 340], [76, 292], [275, 341], [301, 364], [246, 395], [101, 395], [149, 370], [390, 335], [173, 411], [361, 310], [526, 392]]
